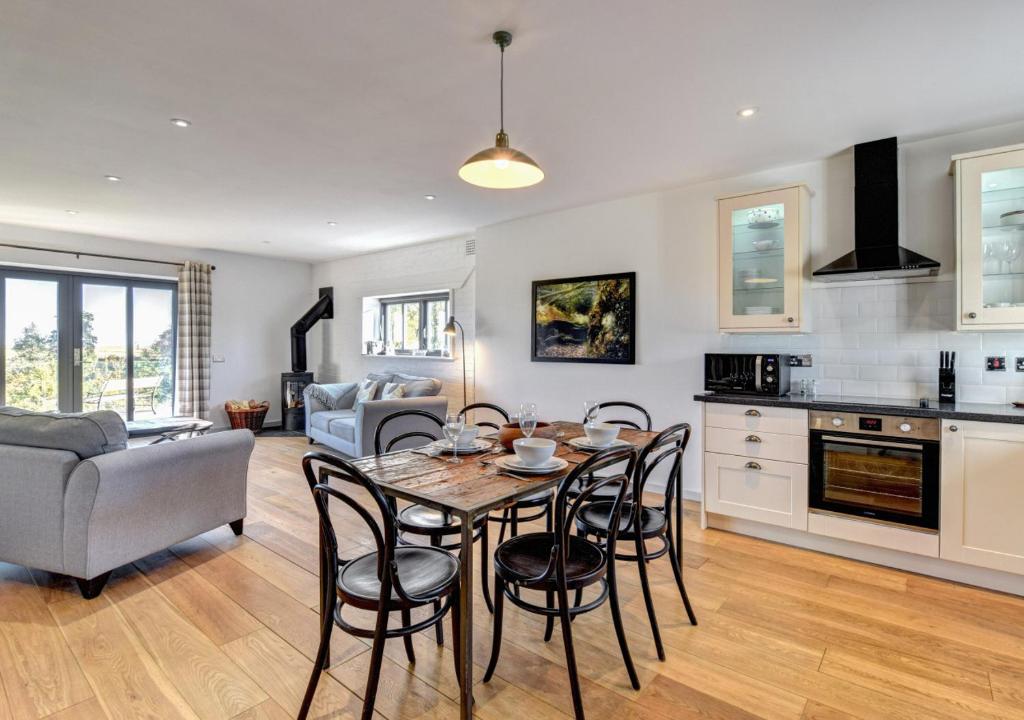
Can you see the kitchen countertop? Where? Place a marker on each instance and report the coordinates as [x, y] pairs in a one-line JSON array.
[[981, 412]]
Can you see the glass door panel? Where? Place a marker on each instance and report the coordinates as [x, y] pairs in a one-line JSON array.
[[758, 260], [874, 477], [31, 368], [1002, 233], [152, 351], [104, 348]]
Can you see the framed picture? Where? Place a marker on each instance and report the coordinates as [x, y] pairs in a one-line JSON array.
[[585, 319]]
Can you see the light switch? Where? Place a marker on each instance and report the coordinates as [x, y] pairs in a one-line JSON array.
[[217, 358]]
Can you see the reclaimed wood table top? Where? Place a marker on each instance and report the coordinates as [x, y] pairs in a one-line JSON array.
[[470, 488]]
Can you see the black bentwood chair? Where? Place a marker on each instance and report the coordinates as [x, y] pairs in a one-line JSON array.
[[420, 520], [392, 578], [556, 562], [539, 504], [641, 420], [638, 523]]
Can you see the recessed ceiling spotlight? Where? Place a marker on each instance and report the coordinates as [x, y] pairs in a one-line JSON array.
[[332, 223], [112, 178], [180, 122], [430, 197], [747, 112], [71, 212]]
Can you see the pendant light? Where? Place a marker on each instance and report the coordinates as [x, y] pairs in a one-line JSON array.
[[501, 167]]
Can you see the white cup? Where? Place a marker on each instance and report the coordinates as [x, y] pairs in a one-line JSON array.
[[467, 437], [601, 434], [534, 452]]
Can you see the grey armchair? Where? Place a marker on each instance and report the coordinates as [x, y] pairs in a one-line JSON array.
[[82, 507]]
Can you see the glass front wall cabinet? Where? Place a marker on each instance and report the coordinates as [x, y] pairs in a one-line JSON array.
[[990, 239], [762, 238]]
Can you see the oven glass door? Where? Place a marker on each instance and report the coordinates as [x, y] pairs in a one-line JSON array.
[[892, 481]]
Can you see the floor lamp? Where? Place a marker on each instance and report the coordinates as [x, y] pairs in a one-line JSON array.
[[449, 330]]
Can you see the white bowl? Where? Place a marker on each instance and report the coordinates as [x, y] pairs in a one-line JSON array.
[[468, 436], [601, 434], [534, 452]]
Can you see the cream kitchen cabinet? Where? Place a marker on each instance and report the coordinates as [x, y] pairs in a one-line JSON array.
[[982, 499], [990, 239], [755, 463], [763, 242]]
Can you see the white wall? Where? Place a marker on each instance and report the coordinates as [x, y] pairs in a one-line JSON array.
[[336, 345], [669, 239], [255, 302]]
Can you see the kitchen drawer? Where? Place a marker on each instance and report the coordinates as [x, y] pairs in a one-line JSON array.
[[756, 444], [765, 491], [786, 421]]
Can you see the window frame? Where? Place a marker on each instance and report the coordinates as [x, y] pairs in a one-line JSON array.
[[422, 300], [69, 330]]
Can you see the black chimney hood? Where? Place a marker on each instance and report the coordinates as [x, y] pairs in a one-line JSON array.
[[877, 253]]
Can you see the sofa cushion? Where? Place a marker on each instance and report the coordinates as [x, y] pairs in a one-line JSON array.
[[366, 392], [344, 428], [419, 386], [334, 396], [85, 434], [393, 391], [322, 420], [381, 379]]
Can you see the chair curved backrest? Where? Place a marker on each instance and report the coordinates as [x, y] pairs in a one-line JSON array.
[[486, 406], [567, 506], [668, 446], [380, 449], [646, 424]]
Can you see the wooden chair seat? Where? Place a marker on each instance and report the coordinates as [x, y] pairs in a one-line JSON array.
[[423, 571], [421, 520], [595, 517], [528, 556]]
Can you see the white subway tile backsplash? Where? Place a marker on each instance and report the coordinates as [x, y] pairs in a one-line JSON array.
[[897, 357], [859, 293], [909, 373], [968, 375], [878, 372], [840, 372], [918, 341], [897, 389], [981, 393], [857, 325], [878, 341], [862, 388], [830, 387]]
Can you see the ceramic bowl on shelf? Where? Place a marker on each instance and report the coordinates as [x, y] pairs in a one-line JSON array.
[[763, 245], [762, 218], [1014, 217]]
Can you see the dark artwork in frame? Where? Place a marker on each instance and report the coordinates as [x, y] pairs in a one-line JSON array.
[[588, 319]]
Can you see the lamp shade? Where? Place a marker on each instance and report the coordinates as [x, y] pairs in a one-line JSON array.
[[501, 167], [449, 329]]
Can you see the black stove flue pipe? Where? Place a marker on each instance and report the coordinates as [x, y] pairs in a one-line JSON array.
[[323, 309]]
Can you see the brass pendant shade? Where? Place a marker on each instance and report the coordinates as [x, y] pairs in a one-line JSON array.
[[501, 167]]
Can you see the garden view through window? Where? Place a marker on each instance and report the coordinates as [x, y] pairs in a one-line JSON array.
[[81, 343]]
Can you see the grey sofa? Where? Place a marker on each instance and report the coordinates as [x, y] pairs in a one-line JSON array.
[[333, 420], [75, 501]]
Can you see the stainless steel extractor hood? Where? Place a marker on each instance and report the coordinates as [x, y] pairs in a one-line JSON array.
[[877, 253]]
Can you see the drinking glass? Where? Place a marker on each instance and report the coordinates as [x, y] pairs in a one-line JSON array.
[[590, 409], [454, 424], [528, 422]]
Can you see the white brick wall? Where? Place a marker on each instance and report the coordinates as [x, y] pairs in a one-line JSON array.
[[884, 341]]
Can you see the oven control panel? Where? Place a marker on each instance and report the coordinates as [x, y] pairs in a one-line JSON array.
[[893, 426]]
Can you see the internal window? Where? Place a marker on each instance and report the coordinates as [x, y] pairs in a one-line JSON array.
[[415, 324]]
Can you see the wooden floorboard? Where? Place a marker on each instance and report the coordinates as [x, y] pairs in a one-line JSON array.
[[226, 627]]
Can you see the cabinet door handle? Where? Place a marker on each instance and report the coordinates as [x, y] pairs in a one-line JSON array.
[[752, 413], [789, 319], [752, 438], [752, 466], [953, 428], [972, 315]]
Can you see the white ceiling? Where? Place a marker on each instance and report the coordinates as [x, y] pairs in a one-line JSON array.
[[351, 111]]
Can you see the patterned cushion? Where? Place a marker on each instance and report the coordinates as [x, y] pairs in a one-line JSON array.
[[393, 391], [367, 391]]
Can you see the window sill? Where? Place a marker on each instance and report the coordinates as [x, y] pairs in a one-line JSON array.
[[435, 358]]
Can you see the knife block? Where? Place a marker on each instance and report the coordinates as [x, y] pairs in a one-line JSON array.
[[947, 385]]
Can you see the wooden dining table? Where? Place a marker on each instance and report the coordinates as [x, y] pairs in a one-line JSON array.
[[468, 490]]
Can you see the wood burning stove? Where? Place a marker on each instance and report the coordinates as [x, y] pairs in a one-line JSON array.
[[293, 410]]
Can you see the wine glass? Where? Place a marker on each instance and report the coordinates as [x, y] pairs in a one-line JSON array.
[[528, 419], [454, 424], [590, 410]]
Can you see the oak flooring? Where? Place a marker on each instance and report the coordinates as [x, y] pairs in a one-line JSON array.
[[220, 627]]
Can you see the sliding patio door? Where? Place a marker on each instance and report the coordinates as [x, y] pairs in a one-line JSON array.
[[80, 343]]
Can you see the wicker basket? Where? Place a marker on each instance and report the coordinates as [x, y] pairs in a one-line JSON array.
[[251, 419]]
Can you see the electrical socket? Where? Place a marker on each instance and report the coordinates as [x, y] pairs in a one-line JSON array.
[[802, 361], [1020, 364], [995, 362]]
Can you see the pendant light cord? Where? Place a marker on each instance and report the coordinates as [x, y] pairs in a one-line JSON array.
[[501, 92]]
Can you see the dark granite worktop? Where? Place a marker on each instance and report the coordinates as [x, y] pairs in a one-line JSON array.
[[981, 412]]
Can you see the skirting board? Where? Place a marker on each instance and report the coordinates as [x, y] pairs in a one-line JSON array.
[[933, 567]]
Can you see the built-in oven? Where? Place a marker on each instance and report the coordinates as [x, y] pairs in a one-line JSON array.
[[879, 467]]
